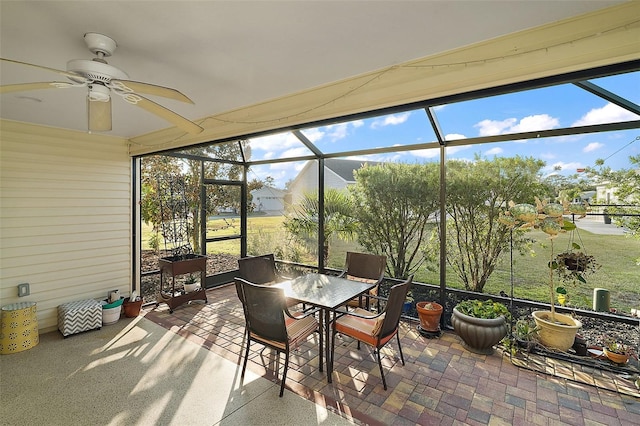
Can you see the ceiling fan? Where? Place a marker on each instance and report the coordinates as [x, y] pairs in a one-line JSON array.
[[102, 79]]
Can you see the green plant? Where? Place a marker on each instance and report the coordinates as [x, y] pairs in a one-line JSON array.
[[526, 329], [548, 217], [616, 347], [191, 279], [572, 266], [487, 309]]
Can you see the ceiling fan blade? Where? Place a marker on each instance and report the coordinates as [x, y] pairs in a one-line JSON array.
[[23, 87], [149, 89], [34, 86], [72, 75], [99, 115], [160, 111]]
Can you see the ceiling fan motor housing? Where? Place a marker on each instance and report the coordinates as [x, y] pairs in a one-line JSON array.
[[100, 44], [96, 71]]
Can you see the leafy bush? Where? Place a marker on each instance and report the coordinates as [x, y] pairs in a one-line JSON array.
[[487, 309]]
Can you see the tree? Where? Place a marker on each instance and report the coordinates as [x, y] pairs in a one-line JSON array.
[[627, 187], [302, 222], [477, 192], [151, 168], [217, 196], [393, 204]]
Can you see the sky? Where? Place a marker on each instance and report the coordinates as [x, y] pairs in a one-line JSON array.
[[540, 109]]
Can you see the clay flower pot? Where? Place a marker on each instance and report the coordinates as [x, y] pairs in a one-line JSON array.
[[616, 357], [429, 314]]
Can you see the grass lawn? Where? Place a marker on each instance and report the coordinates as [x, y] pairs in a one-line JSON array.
[[615, 253]]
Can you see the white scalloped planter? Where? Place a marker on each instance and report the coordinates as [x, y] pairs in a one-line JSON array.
[[553, 335]]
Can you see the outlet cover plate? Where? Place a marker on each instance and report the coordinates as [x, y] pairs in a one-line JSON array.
[[23, 290]]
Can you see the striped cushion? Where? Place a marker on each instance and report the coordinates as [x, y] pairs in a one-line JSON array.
[[363, 329], [374, 291], [297, 330]]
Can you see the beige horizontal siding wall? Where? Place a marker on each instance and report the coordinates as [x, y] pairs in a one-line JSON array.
[[65, 216]]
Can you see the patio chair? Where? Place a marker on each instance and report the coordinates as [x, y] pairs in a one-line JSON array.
[[262, 270], [364, 267], [375, 330], [258, 269], [270, 323]]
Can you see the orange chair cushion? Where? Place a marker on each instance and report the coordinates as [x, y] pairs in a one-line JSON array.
[[364, 329]]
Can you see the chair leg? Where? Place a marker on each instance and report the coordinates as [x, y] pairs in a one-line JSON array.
[[332, 351], [384, 382], [284, 374], [320, 345], [246, 357], [400, 347]]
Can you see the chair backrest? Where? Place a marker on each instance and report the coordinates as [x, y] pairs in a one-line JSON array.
[[393, 310], [365, 265], [258, 269], [265, 311], [240, 293]]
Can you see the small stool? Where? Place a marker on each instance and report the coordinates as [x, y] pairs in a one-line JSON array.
[[78, 316], [18, 327]]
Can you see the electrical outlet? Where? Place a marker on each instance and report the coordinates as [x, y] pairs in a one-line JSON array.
[[23, 290]]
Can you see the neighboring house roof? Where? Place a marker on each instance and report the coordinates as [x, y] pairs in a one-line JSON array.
[[345, 168], [269, 190]]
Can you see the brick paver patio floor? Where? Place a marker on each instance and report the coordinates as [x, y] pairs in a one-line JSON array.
[[441, 383]]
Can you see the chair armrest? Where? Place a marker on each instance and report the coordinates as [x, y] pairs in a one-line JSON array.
[[355, 314], [304, 313], [371, 296]]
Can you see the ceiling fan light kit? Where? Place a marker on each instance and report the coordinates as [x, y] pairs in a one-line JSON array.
[[101, 78]]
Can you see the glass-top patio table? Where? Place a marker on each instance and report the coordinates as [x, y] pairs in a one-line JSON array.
[[328, 293]]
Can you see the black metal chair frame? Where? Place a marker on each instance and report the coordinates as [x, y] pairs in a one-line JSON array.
[[390, 324]]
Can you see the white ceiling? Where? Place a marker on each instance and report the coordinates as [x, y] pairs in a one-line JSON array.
[[226, 55]]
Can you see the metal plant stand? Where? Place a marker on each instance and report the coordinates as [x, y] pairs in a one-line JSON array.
[[174, 208]]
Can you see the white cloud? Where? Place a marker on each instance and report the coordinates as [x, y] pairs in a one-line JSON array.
[[337, 131], [273, 142], [391, 120], [513, 125], [493, 127], [454, 136], [334, 132], [607, 114], [494, 151], [295, 152], [314, 134], [426, 153], [593, 146], [562, 166]]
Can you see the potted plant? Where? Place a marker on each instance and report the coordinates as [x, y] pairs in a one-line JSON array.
[[526, 333], [480, 324], [556, 330], [190, 284], [615, 351], [572, 266], [429, 314], [407, 302]]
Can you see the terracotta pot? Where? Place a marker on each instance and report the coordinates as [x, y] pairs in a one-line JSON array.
[[556, 335], [614, 357], [429, 318], [479, 334], [131, 309]]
